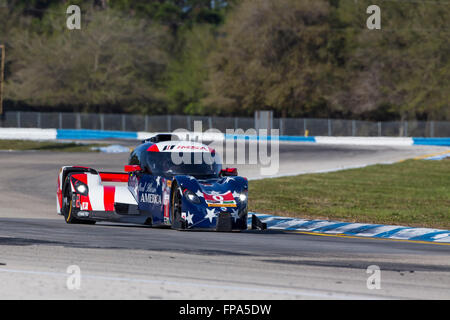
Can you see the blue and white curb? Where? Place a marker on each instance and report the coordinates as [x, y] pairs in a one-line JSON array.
[[439, 157], [354, 229]]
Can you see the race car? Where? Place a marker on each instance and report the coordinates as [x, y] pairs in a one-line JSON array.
[[167, 182]]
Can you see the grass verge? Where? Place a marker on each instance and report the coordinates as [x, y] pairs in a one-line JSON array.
[[413, 193], [47, 146]]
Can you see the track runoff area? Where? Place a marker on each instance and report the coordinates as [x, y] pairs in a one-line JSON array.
[[42, 257]]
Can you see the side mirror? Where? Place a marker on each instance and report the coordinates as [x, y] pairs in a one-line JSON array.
[[132, 168], [228, 172]]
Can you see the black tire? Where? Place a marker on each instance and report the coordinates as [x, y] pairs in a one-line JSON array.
[[176, 208], [67, 207]]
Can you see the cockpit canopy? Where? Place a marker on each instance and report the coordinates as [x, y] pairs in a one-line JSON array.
[[171, 158]]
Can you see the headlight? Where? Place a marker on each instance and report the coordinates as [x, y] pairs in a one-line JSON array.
[[80, 187], [192, 197], [243, 197]]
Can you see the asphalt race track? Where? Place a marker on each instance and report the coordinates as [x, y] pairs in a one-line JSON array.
[[134, 262]]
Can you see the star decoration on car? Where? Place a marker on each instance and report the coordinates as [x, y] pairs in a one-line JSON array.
[[235, 214], [210, 214], [236, 194], [157, 181], [189, 218], [199, 193]]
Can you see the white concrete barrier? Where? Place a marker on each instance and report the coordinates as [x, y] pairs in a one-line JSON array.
[[366, 141], [27, 134]]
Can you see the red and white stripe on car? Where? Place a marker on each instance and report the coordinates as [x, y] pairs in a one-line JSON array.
[[100, 197]]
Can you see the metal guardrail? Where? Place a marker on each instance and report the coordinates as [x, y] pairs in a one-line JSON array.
[[287, 126]]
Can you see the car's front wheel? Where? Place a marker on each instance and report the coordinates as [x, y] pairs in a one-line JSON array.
[[176, 209], [67, 206]]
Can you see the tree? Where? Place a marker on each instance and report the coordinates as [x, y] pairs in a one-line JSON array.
[[405, 65], [275, 55], [175, 14], [101, 65], [187, 72]]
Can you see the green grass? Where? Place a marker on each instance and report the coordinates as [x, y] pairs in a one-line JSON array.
[[414, 193], [47, 146]]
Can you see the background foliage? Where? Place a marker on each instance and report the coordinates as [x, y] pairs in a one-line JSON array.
[[311, 58]]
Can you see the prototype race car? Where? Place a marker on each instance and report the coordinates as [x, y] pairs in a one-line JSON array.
[[167, 182]]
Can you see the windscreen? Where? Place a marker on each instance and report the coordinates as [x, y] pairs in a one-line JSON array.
[[197, 164]]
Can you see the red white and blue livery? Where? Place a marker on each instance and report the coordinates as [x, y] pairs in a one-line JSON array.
[[167, 182]]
